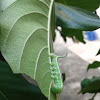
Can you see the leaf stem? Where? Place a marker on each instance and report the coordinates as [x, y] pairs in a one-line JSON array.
[[57, 97], [93, 96]]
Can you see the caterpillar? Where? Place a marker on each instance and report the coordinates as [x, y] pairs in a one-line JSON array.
[[56, 74]]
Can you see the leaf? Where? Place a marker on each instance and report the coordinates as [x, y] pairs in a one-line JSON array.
[[72, 32], [74, 20], [90, 85], [15, 87], [1, 57], [94, 65], [63, 76], [90, 5], [26, 39], [4, 4], [98, 53]]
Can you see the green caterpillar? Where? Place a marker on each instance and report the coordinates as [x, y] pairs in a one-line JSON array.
[[56, 74]]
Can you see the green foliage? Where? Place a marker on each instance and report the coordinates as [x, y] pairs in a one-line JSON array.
[[74, 20], [26, 39], [94, 65], [90, 5], [15, 87], [90, 85]]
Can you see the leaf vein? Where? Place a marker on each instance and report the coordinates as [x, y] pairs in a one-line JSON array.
[[44, 3], [27, 40], [38, 59], [17, 20]]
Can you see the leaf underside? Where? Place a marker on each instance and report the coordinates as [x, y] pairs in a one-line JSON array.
[[25, 39]]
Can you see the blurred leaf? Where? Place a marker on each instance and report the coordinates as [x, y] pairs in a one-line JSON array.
[[90, 5], [63, 76], [74, 20], [98, 53], [94, 65], [1, 57], [26, 39], [15, 87], [90, 85], [72, 32]]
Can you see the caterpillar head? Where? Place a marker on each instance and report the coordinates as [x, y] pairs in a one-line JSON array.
[[52, 55]]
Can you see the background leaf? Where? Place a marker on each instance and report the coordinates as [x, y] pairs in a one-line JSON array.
[[72, 33], [90, 5], [74, 20], [94, 65], [63, 76], [15, 87], [90, 85], [26, 39], [98, 53]]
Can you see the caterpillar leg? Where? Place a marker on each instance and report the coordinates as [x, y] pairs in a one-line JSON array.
[[52, 76], [53, 72], [53, 68], [52, 64]]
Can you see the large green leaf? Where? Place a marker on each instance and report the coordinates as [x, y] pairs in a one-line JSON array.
[[94, 65], [15, 87], [90, 85], [26, 39], [90, 5], [74, 20]]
